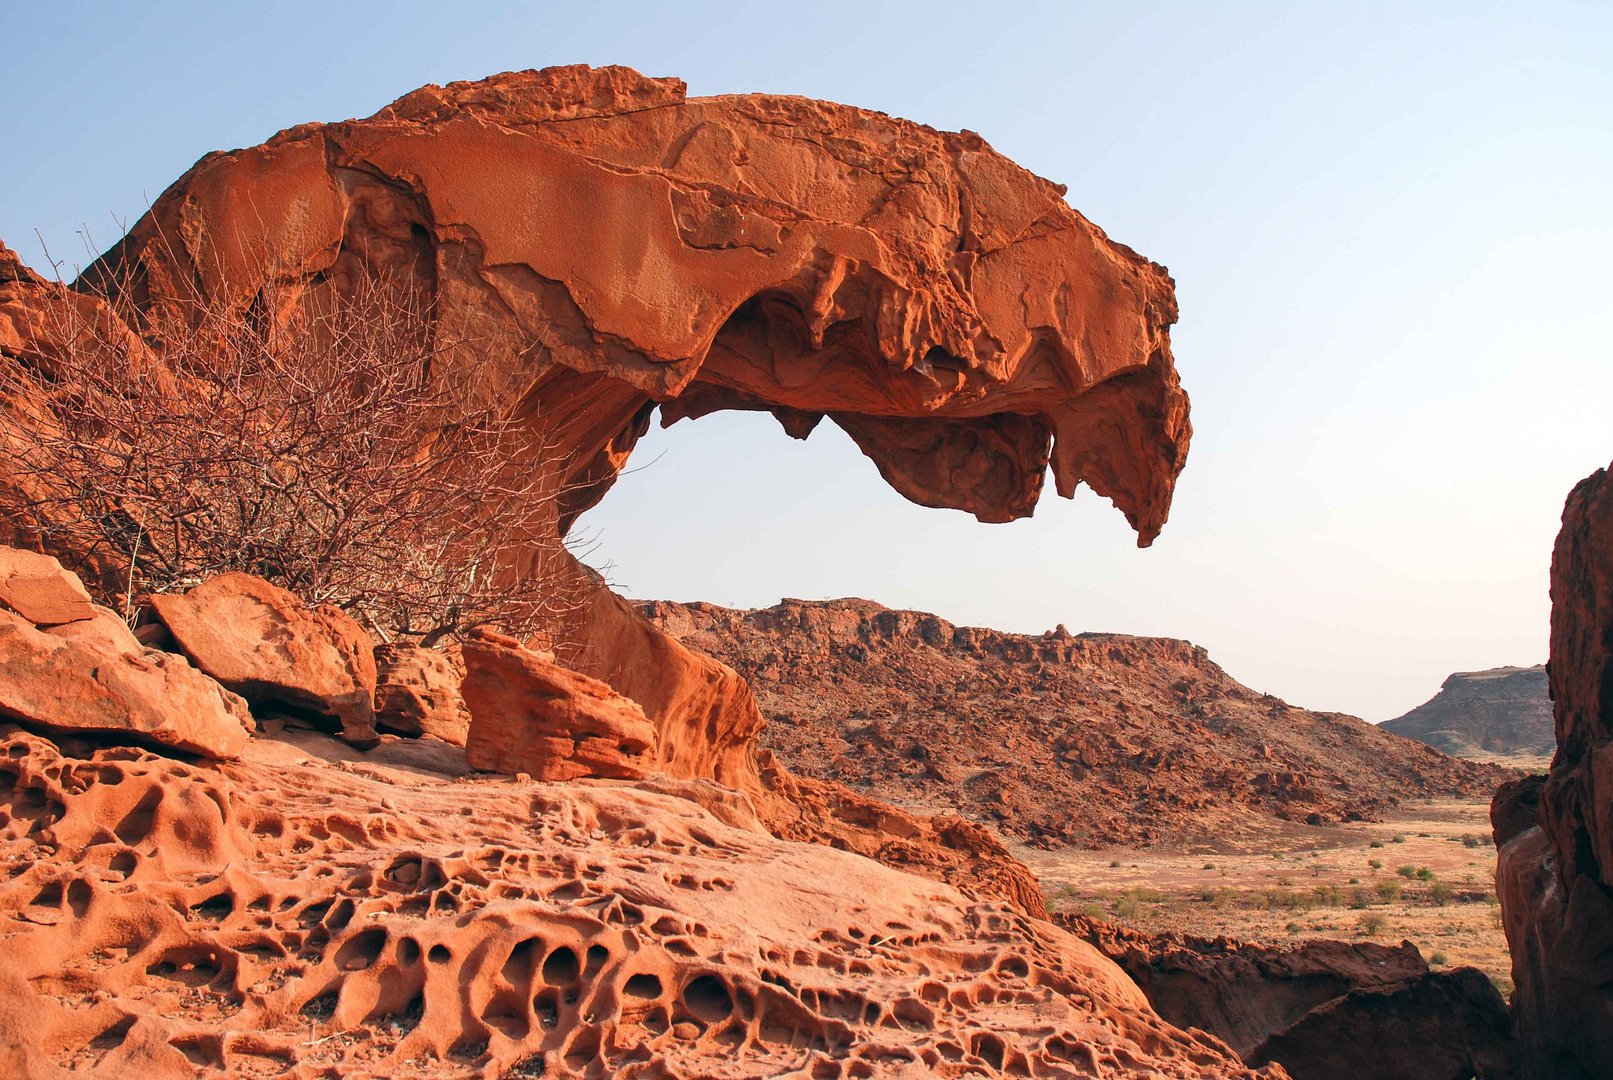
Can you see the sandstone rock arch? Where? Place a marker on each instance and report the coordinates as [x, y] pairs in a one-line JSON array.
[[593, 246]]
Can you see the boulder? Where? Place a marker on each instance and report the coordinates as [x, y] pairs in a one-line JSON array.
[[417, 693], [40, 590], [87, 681], [268, 646], [530, 715]]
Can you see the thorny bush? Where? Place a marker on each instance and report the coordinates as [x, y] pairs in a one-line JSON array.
[[310, 443]]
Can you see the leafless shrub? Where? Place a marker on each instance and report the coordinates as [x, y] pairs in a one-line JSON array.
[[306, 439]]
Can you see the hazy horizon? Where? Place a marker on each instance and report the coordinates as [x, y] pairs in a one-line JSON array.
[[1388, 229]]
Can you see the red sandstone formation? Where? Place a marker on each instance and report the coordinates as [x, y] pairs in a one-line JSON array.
[[267, 645], [1328, 1010], [1053, 739], [300, 914], [1554, 870], [530, 715], [592, 245], [69, 666]]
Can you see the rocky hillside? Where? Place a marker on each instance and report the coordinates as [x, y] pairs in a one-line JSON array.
[[1057, 739], [1504, 711]]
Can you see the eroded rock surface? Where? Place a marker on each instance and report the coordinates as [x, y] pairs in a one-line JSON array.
[[1554, 869], [294, 914]]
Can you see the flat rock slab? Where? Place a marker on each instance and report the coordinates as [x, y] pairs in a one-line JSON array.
[[78, 684], [39, 589]]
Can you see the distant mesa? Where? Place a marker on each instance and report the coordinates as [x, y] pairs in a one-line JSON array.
[[1502, 712]]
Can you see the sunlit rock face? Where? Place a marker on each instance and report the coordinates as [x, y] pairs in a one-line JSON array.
[[1554, 870], [604, 243]]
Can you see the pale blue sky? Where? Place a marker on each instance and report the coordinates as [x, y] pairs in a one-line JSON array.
[[1389, 226]]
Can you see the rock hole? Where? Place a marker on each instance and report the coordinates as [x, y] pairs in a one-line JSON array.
[[340, 915], [408, 951], [48, 897], [78, 897], [561, 968], [644, 986], [584, 1048], [113, 1036], [361, 950], [321, 1008], [215, 908], [123, 863], [409, 1017], [109, 774], [441, 954], [522, 960], [567, 892], [988, 1048], [192, 967], [136, 824], [708, 999], [468, 1049], [597, 955], [416, 874], [312, 914], [204, 1050], [547, 1008], [532, 1065], [1014, 967], [914, 1014]]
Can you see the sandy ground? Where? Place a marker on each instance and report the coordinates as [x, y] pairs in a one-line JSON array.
[[1425, 874]]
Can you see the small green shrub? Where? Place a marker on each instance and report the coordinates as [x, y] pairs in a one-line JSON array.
[[1371, 923]]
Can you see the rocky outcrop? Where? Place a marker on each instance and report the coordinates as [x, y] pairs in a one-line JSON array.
[[593, 246], [69, 666], [1554, 870], [417, 693], [1327, 1010], [268, 646], [290, 916], [1055, 738], [530, 715], [1499, 712]]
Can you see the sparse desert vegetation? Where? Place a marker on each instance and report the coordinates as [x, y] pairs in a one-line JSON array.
[[1322, 883]]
